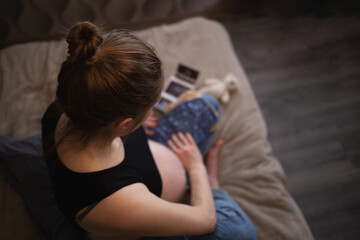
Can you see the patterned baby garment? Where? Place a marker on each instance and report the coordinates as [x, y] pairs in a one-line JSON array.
[[196, 116]]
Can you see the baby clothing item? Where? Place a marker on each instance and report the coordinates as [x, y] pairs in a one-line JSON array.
[[198, 116]]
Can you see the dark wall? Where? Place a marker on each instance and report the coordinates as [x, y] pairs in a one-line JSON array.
[[291, 8]]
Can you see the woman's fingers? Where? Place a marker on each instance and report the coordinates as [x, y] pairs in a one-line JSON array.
[[180, 139], [172, 145], [188, 152], [151, 121], [149, 132], [190, 139], [176, 140], [183, 138], [148, 124]]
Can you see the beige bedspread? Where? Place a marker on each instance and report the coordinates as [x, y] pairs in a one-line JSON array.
[[248, 169]]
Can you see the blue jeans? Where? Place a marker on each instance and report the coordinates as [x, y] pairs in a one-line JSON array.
[[231, 222]]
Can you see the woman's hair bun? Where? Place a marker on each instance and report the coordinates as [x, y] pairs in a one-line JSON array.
[[83, 39]]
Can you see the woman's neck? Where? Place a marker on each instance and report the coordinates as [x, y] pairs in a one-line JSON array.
[[102, 148], [100, 151]]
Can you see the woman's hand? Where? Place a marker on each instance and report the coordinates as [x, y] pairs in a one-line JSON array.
[[186, 149], [150, 122]]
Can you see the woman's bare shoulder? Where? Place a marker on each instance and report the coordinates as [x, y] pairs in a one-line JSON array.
[[111, 215]]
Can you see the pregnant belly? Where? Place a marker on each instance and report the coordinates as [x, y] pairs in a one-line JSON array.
[[171, 171]]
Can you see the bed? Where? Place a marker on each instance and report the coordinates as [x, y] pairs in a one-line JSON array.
[[248, 169]]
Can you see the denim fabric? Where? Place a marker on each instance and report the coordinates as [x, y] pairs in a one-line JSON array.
[[232, 222]]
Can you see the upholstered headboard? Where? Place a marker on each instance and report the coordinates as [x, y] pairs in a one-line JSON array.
[[28, 20]]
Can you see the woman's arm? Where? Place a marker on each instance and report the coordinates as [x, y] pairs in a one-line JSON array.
[[135, 211], [186, 149]]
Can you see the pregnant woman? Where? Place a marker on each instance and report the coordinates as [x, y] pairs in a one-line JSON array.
[[107, 175]]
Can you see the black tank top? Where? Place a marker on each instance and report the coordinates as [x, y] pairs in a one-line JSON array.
[[74, 191]]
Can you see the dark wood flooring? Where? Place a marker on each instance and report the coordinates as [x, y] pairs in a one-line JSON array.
[[305, 73]]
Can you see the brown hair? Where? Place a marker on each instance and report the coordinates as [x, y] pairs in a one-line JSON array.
[[106, 78]]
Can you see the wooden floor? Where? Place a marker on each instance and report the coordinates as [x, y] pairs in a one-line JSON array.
[[305, 73]]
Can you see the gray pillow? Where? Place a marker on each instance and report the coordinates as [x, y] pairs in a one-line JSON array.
[[24, 165]]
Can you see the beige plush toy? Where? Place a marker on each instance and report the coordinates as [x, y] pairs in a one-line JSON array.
[[221, 88]]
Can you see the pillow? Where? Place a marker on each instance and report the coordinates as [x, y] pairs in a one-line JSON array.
[[23, 163]]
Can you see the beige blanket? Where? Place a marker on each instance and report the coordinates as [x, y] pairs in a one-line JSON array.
[[248, 169]]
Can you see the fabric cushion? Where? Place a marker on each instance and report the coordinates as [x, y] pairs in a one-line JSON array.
[[248, 169], [23, 163]]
